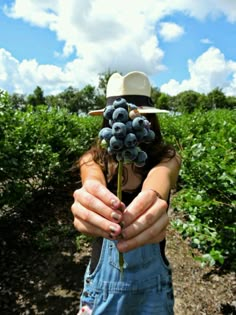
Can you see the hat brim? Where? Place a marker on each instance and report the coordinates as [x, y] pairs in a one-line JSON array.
[[141, 109]]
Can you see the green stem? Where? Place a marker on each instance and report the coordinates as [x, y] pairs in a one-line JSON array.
[[119, 195], [119, 180]]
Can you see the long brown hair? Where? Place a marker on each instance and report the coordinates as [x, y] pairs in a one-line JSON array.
[[157, 151]]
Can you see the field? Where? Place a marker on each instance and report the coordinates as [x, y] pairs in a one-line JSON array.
[[43, 258]]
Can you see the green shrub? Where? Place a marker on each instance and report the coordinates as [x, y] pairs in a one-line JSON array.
[[38, 148], [206, 142]]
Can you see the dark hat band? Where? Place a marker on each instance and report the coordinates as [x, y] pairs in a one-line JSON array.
[[138, 100]]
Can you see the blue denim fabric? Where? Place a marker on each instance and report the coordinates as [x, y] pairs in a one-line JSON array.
[[145, 288]]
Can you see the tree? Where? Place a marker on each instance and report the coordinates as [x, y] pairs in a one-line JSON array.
[[155, 94], [203, 102], [37, 98], [216, 99], [163, 101], [187, 101], [17, 101], [52, 101], [231, 102], [103, 79], [81, 101], [88, 99], [68, 99]]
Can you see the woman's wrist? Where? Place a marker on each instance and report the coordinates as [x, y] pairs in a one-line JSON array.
[[156, 192]]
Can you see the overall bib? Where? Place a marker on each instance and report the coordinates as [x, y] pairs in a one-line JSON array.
[[144, 289]]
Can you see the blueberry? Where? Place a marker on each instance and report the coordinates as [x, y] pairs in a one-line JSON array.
[[119, 130], [132, 106], [147, 124], [149, 137], [130, 154], [141, 134], [116, 144], [130, 140], [138, 122], [109, 109], [120, 114], [129, 127], [111, 122], [120, 102], [141, 158], [105, 133]]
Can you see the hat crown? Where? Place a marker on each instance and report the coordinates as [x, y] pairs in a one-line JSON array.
[[133, 83]]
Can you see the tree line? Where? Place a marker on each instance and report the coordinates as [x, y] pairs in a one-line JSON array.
[[81, 101]]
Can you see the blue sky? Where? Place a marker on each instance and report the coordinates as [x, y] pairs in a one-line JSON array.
[[180, 44]]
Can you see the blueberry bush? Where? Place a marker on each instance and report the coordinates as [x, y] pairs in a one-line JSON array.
[[37, 149], [206, 189]]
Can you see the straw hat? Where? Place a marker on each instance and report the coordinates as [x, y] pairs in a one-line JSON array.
[[134, 87]]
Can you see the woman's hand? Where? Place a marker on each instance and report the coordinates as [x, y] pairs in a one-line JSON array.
[[96, 210], [145, 221]]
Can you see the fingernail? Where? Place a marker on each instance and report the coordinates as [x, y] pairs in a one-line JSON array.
[[113, 229], [122, 224], [115, 203], [112, 236], [116, 216]]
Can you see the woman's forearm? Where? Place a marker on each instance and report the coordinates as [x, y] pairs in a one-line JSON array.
[[90, 170], [163, 177]]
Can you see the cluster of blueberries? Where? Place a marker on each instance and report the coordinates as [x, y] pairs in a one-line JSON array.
[[128, 128]]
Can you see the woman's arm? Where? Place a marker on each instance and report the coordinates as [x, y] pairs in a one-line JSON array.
[[145, 219], [95, 208], [163, 177], [89, 170]]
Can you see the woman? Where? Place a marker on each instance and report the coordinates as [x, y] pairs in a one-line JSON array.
[[136, 226]]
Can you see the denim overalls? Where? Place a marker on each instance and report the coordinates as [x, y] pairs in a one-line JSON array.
[[144, 289]]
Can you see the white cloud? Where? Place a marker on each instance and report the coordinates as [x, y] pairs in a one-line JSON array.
[[116, 35], [41, 13], [170, 31], [103, 36], [23, 77], [208, 71], [206, 41]]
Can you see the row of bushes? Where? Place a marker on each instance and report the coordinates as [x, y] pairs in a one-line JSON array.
[[39, 146], [37, 150], [206, 142]]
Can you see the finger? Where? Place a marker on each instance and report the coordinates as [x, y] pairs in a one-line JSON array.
[[153, 234], [102, 193], [92, 218], [91, 230], [147, 219], [91, 202], [139, 205]]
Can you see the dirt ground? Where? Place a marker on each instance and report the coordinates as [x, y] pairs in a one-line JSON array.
[[41, 269]]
